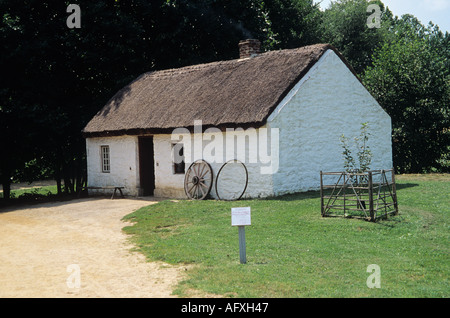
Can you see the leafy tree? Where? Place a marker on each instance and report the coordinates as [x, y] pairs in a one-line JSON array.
[[410, 78], [294, 23], [345, 27], [57, 78], [54, 79], [364, 154]]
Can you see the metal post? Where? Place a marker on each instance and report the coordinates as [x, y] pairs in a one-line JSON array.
[[394, 191], [344, 186], [242, 252]]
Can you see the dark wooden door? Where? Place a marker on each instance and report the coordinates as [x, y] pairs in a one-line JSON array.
[[146, 165]]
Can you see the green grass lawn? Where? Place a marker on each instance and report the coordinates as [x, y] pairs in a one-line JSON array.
[[293, 252], [39, 191]]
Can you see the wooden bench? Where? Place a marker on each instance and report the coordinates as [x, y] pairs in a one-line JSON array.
[[105, 188]]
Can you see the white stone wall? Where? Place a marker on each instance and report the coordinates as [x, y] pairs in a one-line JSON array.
[[167, 183], [328, 102], [212, 147], [123, 164], [124, 161]]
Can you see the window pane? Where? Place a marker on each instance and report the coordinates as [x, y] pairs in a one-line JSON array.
[[105, 158], [178, 158]]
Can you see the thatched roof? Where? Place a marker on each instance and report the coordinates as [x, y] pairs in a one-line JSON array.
[[231, 93]]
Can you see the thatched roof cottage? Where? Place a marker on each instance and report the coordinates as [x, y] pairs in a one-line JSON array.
[[288, 108]]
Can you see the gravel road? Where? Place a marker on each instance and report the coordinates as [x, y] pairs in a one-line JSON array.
[[77, 249]]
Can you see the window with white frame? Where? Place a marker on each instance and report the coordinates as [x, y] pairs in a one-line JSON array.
[[106, 165]]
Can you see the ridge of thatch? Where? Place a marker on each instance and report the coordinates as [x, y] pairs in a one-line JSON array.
[[227, 93]]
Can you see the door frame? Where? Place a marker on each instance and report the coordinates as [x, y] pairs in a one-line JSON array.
[[146, 152]]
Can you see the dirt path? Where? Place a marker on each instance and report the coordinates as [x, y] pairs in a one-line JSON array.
[[43, 246]]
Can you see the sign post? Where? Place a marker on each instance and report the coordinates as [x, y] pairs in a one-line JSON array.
[[240, 217]]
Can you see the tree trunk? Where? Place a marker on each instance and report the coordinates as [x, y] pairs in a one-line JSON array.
[[6, 183], [68, 178], [58, 178]]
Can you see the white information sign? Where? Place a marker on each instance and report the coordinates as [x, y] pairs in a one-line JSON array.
[[240, 216]]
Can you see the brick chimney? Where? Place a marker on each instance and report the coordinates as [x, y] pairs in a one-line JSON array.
[[249, 48]]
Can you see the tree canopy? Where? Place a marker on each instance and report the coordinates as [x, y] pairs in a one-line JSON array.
[[345, 26], [410, 78]]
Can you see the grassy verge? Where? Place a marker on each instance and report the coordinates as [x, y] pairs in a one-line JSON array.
[[293, 252], [40, 191]]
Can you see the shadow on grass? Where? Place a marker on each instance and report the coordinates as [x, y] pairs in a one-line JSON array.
[[390, 221], [400, 186], [315, 194], [296, 196]]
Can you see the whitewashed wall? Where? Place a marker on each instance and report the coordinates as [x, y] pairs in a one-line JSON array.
[[328, 102], [167, 184], [123, 164], [212, 147]]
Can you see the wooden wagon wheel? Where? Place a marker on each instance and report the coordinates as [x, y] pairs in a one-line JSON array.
[[198, 180], [238, 193]]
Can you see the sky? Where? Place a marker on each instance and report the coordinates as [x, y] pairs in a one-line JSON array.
[[437, 11]]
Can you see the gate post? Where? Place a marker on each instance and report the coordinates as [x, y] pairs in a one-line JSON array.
[[394, 191], [321, 194], [372, 214]]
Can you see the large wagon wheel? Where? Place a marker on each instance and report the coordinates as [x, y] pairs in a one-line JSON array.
[[198, 180], [236, 188]]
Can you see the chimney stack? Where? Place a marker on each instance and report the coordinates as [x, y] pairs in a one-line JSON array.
[[249, 48]]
